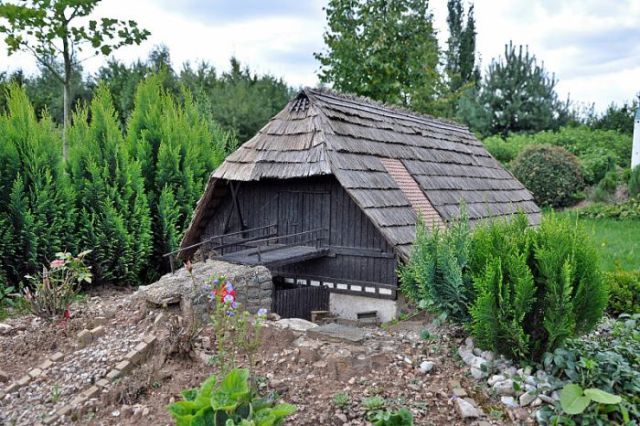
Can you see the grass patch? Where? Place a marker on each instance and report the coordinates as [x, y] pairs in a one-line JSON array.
[[618, 242]]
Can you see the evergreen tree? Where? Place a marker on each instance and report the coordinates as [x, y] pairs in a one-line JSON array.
[[114, 220], [516, 95], [460, 66], [383, 49]]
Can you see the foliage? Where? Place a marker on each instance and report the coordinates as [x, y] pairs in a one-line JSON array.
[[228, 402], [46, 29], [436, 275], [618, 118], [176, 150], [341, 399], [606, 188], [536, 287], [516, 95], [634, 182], [385, 50], [402, 417], [624, 292], [373, 403], [54, 289], [598, 150], [608, 361], [113, 210], [627, 210], [36, 200], [575, 400], [551, 173]]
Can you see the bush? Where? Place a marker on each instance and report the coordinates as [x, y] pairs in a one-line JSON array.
[[630, 209], [624, 292], [634, 182], [436, 275], [551, 173], [536, 288], [232, 401]]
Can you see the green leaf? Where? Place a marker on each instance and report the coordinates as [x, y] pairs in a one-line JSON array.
[[207, 387], [572, 399], [284, 410], [189, 394], [236, 383], [183, 408], [602, 397], [222, 401]]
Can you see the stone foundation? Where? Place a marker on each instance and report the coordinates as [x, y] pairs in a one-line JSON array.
[[254, 286], [348, 306]]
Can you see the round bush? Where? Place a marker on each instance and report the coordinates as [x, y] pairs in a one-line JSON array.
[[551, 173]]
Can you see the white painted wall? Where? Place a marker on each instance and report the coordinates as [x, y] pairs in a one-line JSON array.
[[635, 152], [347, 306]]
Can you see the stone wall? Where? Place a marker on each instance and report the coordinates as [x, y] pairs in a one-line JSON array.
[[253, 284]]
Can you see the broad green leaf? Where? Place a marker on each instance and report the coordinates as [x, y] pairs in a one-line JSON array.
[[207, 387], [189, 394], [183, 408], [602, 397], [204, 417], [222, 401], [572, 399], [284, 410], [236, 383]]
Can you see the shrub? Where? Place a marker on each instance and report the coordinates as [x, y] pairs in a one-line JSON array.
[[502, 150], [402, 417], [634, 182], [436, 275], [606, 187], [536, 288], [54, 289], [624, 292], [232, 401], [551, 173], [630, 209]]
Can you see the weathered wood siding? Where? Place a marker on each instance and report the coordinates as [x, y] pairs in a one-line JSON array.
[[297, 205]]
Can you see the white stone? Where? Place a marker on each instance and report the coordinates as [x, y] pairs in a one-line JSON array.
[[466, 353], [504, 387], [488, 355], [509, 401], [495, 379], [5, 328], [527, 398], [426, 366], [295, 324], [466, 409], [468, 342], [477, 374]]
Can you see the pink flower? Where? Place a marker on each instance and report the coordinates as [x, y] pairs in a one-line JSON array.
[[57, 263]]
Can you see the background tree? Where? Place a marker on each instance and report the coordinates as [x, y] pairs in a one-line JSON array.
[[383, 49], [46, 29], [460, 68], [617, 117], [516, 95]]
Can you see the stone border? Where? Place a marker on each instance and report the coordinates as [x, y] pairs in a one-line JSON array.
[[134, 358], [32, 374]]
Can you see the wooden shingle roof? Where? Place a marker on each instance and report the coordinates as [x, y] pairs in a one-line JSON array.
[[375, 152]]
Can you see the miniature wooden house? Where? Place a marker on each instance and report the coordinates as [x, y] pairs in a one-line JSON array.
[[327, 195]]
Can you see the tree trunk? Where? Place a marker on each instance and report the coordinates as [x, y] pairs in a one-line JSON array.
[[65, 117]]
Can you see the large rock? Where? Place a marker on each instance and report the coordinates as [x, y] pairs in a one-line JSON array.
[[466, 409], [295, 324], [253, 284]]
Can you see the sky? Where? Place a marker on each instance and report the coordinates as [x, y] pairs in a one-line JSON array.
[[592, 46]]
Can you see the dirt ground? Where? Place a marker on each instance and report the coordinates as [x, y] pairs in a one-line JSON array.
[[303, 370]]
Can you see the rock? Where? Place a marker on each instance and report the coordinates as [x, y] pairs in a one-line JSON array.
[[4, 377], [530, 380], [504, 387], [527, 398], [495, 379], [510, 371], [466, 353], [536, 402], [546, 398], [466, 409], [5, 328], [84, 337], [459, 392], [426, 366], [468, 342], [477, 373], [555, 395], [509, 401], [488, 355], [161, 318], [295, 324]]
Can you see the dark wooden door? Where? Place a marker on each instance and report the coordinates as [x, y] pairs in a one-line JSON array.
[[298, 302]]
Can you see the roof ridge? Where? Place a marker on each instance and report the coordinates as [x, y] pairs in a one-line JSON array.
[[350, 97]]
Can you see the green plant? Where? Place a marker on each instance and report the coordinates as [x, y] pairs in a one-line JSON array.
[[401, 417], [574, 399], [229, 402], [551, 173], [341, 399], [627, 210], [634, 182], [373, 403], [606, 187], [436, 275], [535, 287], [55, 289], [624, 291]]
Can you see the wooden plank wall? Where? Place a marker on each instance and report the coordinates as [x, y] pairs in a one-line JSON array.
[[361, 253]]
